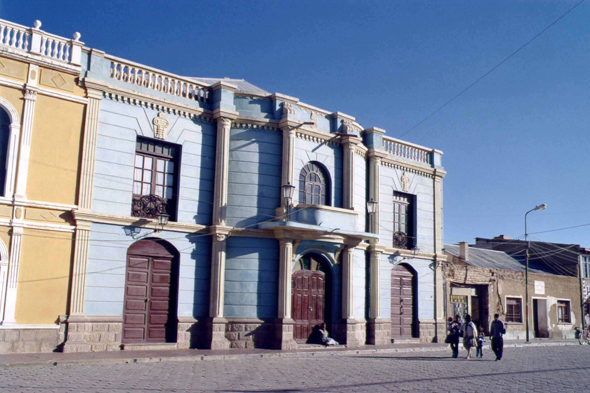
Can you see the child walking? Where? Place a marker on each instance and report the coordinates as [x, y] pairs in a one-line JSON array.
[[480, 341]]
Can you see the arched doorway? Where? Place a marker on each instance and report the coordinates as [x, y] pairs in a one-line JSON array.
[[151, 293], [403, 307], [309, 295]]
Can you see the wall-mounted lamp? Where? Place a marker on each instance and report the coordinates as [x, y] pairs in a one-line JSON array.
[[162, 221], [132, 231], [371, 209], [288, 192]]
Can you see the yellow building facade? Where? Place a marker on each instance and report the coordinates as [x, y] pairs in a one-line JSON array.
[[42, 111]]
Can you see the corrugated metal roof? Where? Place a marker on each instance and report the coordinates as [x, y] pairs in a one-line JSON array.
[[244, 87], [490, 259]]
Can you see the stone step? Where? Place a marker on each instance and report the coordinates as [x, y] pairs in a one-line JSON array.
[[148, 346]]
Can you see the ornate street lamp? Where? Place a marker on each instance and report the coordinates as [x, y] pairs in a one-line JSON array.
[[162, 221], [371, 209], [526, 268], [288, 192]]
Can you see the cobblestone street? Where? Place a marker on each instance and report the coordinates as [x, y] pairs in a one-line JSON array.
[[556, 369]]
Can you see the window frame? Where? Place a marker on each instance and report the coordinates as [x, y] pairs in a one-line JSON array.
[[567, 304], [173, 157], [509, 317], [323, 196], [406, 202]]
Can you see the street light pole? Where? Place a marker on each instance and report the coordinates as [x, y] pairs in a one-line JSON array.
[[526, 268]]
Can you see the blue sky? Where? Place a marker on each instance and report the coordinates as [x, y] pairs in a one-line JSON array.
[[517, 139]]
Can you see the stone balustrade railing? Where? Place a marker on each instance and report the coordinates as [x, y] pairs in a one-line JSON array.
[[34, 40], [407, 150], [158, 80]]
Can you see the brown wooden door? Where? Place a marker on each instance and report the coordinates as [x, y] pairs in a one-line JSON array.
[[402, 303], [307, 302], [147, 310]]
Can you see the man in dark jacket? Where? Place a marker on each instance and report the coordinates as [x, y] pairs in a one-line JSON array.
[[496, 333]]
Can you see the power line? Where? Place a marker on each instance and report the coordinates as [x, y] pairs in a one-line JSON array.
[[491, 70]]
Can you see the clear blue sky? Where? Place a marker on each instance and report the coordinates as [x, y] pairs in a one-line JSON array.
[[517, 139]]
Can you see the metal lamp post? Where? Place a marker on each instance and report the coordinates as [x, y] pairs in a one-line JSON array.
[[288, 191], [526, 268]]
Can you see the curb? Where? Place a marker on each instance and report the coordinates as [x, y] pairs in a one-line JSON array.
[[238, 356]]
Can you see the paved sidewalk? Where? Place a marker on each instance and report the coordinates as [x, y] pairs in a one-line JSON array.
[[197, 355]]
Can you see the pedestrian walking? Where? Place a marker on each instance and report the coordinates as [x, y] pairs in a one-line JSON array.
[[480, 340], [496, 333], [470, 336], [453, 336]]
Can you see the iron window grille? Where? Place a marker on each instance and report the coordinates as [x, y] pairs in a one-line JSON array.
[[155, 179], [514, 309]]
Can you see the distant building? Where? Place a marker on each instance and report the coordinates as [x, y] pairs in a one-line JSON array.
[[237, 264], [482, 282]]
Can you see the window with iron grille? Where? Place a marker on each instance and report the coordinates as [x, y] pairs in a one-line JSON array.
[[514, 309], [403, 217], [313, 185], [155, 179], [563, 311]]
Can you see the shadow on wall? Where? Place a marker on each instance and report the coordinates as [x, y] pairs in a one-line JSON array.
[[206, 178]]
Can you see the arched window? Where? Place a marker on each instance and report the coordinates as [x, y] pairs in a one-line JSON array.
[[313, 185]]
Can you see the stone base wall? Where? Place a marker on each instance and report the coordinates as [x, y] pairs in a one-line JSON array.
[[379, 332], [30, 340], [90, 337], [352, 333], [191, 335], [250, 334], [429, 330]]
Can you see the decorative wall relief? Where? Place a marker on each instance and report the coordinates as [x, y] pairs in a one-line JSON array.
[[288, 109], [405, 180], [160, 126]]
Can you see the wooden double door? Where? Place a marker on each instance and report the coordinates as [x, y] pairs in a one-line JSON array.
[[402, 303], [149, 314], [308, 302]]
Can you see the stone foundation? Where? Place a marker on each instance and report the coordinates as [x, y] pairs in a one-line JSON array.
[[249, 333], [353, 333], [85, 335], [30, 340], [379, 332], [192, 333], [283, 334], [429, 330]]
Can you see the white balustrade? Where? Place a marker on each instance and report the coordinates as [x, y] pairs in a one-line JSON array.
[[406, 150], [159, 81], [34, 40]]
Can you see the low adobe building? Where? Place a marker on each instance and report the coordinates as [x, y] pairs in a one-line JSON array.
[[483, 282]]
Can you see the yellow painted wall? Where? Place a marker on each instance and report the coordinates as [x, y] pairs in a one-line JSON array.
[[55, 150], [15, 97], [5, 236], [13, 69], [43, 276], [60, 82]]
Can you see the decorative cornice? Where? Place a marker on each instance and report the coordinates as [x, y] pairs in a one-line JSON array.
[[242, 123], [6, 222], [318, 137]]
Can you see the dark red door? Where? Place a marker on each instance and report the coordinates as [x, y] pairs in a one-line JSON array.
[[307, 302], [147, 310], [402, 302]]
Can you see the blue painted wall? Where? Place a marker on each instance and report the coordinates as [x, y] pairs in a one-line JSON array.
[[119, 126], [251, 277], [107, 256], [359, 285], [254, 186]]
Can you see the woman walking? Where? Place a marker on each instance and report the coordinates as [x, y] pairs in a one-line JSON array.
[[453, 336], [470, 336]]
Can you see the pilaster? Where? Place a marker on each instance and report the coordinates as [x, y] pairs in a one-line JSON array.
[[375, 158], [348, 156], [284, 325], [221, 171], [353, 330], [30, 97], [77, 294], [11, 287], [376, 334], [89, 149], [217, 323]]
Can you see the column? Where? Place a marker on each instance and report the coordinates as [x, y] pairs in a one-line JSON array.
[[216, 328], [221, 171], [284, 325], [352, 329], [439, 311], [79, 269], [348, 145], [374, 167], [11, 287]]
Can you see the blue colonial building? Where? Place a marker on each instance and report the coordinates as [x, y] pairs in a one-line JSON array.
[[215, 214]]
